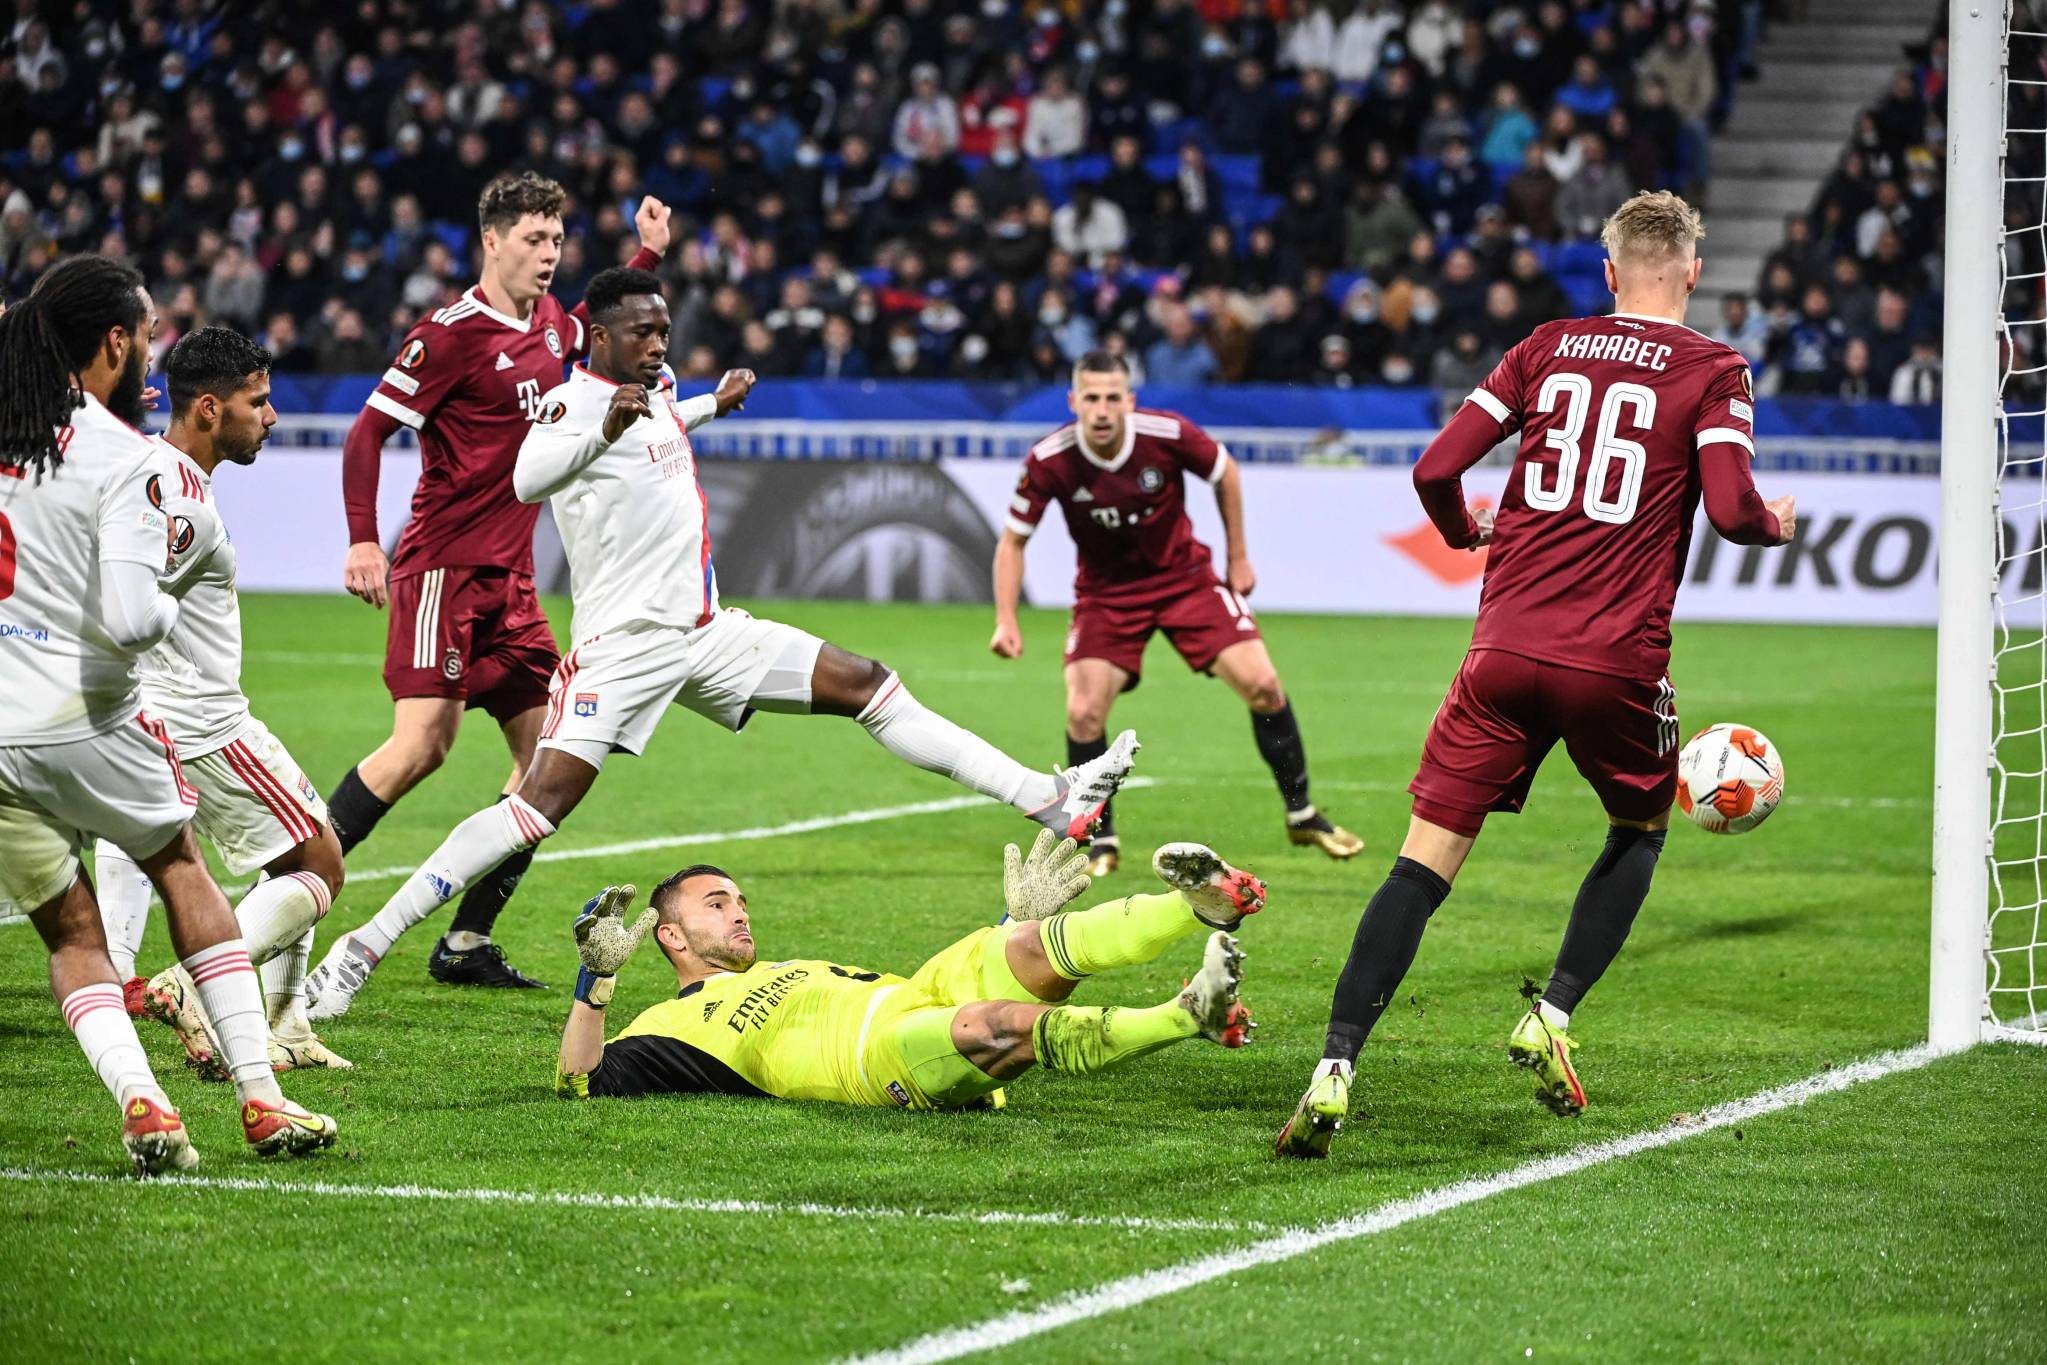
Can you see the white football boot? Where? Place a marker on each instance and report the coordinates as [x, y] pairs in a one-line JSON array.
[[1085, 789]]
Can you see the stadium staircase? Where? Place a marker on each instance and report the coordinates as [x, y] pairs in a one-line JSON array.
[[1789, 127]]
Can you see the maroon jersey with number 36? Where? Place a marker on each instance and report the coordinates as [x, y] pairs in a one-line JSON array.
[[1127, 513], [1624, 421]]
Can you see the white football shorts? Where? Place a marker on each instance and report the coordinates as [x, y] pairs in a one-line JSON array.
[[125, 785], [255, 803], [610, 691]]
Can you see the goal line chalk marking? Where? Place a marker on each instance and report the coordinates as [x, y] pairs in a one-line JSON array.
[[1117, 1295], [736, 836], [650, 1203]]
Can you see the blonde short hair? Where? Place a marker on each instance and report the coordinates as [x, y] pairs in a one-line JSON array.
[[1652, 226]]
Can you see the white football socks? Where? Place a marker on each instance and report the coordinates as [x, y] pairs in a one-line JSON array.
[[284, 985], [277, 911], [920, 736], [99, 1020], [471, 849], [1342, 1064], [1554, 1017], [123, 894], [233, 1001]]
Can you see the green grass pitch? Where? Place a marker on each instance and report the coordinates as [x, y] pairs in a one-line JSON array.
[[1897, 1220]]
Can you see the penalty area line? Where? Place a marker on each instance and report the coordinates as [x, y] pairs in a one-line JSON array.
[[649, 1203], [736, 836], [1117, 1295]]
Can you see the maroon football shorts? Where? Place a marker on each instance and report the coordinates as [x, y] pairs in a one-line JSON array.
[[474, 634], [1201, 617], [1504, 713]]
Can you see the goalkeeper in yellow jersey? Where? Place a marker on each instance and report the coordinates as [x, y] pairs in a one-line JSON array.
[[970, 1020]]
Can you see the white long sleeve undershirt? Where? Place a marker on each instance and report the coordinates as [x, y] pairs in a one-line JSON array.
[[136, 613]]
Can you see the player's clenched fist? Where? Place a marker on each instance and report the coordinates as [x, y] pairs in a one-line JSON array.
[[628, 405], [651, 222], [367, 573], [1007, 642], [1786, 511], [733, 389]]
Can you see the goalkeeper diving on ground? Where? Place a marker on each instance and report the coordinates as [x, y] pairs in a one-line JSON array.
[[971, 1019]]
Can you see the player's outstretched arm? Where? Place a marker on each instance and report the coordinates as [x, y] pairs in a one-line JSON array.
[[1007, 642], [604, 944]]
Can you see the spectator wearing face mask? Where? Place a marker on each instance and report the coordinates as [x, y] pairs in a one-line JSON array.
[[1006, 180], [1071, 331], [903, 356]]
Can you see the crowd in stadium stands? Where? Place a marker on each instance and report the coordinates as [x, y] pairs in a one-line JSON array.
[[1849, 304], [1336, 192]]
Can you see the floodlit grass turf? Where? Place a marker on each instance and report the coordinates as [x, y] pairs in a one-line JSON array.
[[1890, 1221]]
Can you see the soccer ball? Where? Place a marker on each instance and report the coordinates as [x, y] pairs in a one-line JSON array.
[[1729, 779]]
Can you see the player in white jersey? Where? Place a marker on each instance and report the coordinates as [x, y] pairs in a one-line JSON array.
[[255, 805], [81, 545], [610, 450]]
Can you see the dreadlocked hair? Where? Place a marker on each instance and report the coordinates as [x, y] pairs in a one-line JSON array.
[[45, 340]]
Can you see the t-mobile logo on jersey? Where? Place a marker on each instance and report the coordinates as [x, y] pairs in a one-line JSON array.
[[1115, 519], [529, 398]]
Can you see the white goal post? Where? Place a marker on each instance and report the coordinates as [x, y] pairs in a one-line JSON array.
[[1988, 974]]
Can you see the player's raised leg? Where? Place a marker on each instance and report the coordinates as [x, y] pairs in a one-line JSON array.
[[1092, 686], [1050, 949], [1067, 802], [1247, 667], [558, 780], [88, 992], [1381, 951], [956, 1056]]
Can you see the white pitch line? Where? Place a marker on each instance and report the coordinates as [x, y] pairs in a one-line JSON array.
[[652, 1203], [736, 836], [1118, 1295]]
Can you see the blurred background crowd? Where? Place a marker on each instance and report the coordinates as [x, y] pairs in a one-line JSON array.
[[1330, 192]]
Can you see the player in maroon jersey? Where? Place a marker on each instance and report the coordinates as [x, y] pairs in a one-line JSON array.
[[466, 626], [1625, 421], [1116, 471]]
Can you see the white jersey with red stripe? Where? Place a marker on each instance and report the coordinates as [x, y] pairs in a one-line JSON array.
[[63, 675], [631, 512], [192, 681]]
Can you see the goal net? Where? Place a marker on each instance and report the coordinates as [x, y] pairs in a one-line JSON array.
[[2015, 999]]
